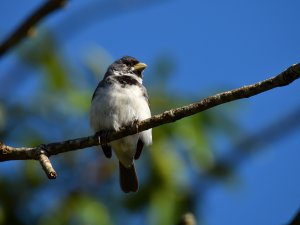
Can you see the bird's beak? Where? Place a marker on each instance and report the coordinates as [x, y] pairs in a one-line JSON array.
[[140, 66]]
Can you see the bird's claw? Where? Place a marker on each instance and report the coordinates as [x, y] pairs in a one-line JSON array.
[[102, 137], [135, 124]]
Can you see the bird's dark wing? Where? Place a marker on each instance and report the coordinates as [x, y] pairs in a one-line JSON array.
[[102, 134], [107, 151], [103, 83], [145, 95], [139, 148], [100, 85]]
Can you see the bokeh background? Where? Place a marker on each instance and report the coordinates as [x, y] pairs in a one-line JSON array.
[[235, 164]]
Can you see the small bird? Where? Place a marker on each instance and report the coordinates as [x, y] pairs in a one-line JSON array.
[[120, 99]]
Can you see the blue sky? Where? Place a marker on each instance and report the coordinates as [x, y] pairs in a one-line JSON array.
[[215, 45]]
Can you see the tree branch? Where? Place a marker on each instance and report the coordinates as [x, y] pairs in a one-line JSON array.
[[46, 164], [295, 220], [286, 77], [24, 28]]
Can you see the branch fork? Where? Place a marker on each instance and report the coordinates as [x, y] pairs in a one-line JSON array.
[[42, 157]]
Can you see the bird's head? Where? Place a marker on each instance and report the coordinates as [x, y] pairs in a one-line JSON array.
[[127, 65]]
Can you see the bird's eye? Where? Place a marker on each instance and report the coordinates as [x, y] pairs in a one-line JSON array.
[[129, 64]]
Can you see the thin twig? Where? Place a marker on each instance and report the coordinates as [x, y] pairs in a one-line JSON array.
[[24, 28], [45, 163], [295, 220], [47, 166], [283, 79]]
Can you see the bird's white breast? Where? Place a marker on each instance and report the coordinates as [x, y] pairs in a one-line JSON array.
[[115, 106]]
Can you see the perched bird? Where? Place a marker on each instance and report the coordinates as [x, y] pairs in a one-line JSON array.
[[121, 99]]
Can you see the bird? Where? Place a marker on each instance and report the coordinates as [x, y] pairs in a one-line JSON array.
[[120, 99]]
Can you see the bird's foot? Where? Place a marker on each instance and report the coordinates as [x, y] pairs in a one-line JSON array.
[[102, 136], [102, 139], [135, 124]]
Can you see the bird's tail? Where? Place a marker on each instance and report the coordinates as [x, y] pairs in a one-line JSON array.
[[128, 178]]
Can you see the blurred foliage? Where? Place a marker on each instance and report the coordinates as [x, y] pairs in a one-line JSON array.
[[78, 209], [45, 98], [87, 190]]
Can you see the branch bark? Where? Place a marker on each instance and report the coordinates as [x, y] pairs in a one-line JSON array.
[[285, 78], [24, 28], [46, 164]]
